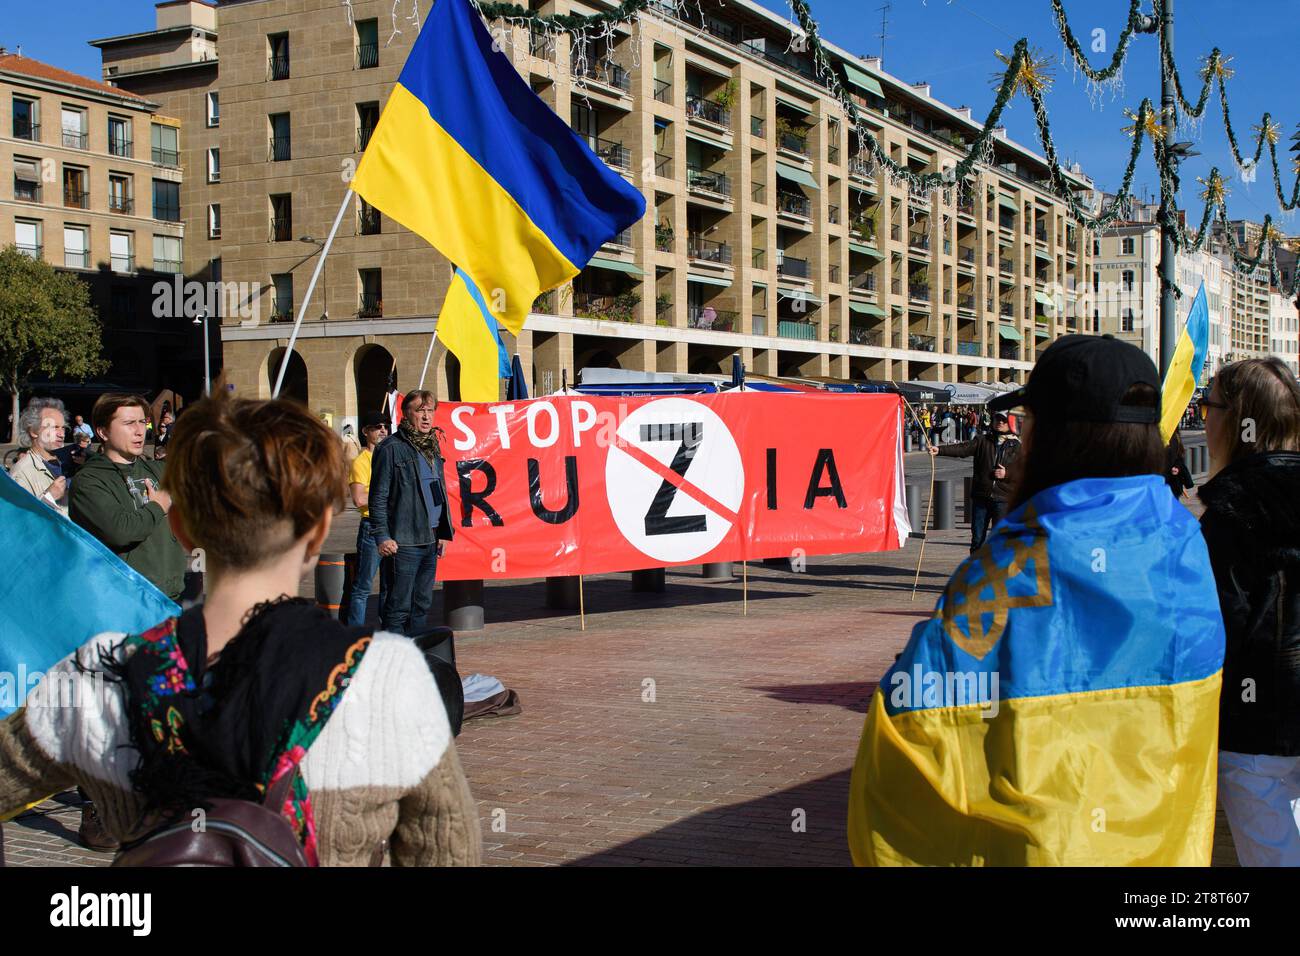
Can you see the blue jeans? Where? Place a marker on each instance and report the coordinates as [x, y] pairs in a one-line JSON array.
[[367, 565], [408, 578], [985, 512]]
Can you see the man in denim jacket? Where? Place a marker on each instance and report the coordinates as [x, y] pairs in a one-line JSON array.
[[408, 508]]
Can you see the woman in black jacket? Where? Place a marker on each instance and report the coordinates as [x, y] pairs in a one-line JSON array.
[[1252, 527], [1177, 476]]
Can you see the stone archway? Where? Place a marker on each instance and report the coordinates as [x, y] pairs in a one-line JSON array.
[[295, 376], [372, 370]]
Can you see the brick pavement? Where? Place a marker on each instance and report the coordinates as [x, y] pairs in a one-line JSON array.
[[674, 729]]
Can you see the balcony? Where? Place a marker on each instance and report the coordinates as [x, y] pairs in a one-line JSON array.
[[896, 233], [780, 57], [759, 258], [758, 324], [277, 67], [966, 209], [368, 221], [863, 283], [918, 293], [864, 230], [698, 108], [968, 347], [707, 181], [859, 168], [792, 268], [706, 250], [707, 317], [605, 73], [622, 240], [1008, 350], [833, 274], [76, 259], [122, 263], [540, 46], [1006, 267], [1007, 310], [370, 305], [281, 309], [32, 252], [918, 240], [363, 137], [833, 215], [281, 230], [757, 127], [165, 157], [76, 198], [606, 308], [1007, 223], [966, 302], [796, 329], [1040, 236], [123, 205], [24, 129], [793, 143], [278, 149], [759, 193], [614, 154], [833, 155], [665, 240], [367, 56], [663, 91], [792, 204], [75, 139], [167, 265], [663, 165], [920, 343], [965, 257], [860, 336], [121, 147]]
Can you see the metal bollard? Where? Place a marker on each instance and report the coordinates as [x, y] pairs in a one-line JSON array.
[[462, 605], [907, 442], [718, 572], [562, 593], [649, 580], [914, 515], [330, 575], [943, 513]]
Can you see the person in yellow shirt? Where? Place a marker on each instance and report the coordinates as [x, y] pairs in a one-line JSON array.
[[374, 429]]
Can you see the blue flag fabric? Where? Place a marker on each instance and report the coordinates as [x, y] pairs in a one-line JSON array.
[[59, 587]]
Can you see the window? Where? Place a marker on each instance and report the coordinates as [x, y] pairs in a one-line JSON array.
[[367, 44], [166, 151], [1126, 246], [76, 253], [75, 193], [282, 218], [214, 109], [27, 180], [280, 149], [1126, 321], [1096, 282], [282, 298], [1127, 276], [367, 118], [166, 200], [74, 127], [278, 46], [1096, 247], [214, 164], [27, 237], [121, 253], [120, 194], [371, 305], [119, 136], [214, 221], [26, 119], [167, 253], [367, 219]]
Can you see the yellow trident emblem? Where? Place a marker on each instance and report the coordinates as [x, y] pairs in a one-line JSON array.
[[982, 586]]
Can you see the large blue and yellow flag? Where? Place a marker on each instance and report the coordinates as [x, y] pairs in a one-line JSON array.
[[467, 156], [59, 587], [1185, 366], [1061, 705]]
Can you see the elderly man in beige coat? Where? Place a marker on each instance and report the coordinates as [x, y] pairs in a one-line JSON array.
[[40, 429]]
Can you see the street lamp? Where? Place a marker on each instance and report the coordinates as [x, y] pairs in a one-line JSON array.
[[207, 363], [320, 247]]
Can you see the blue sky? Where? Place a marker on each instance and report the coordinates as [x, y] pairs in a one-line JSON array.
[[950, 44]]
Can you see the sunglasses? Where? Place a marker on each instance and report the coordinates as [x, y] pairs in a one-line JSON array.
[[1204, 403]]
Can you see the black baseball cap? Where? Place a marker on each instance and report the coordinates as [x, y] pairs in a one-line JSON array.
[[1083, 378], [373, 420]]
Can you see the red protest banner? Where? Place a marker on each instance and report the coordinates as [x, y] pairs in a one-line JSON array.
[[587, 485]]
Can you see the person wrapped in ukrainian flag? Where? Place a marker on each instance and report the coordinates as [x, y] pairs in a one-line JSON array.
[[1061, 705]]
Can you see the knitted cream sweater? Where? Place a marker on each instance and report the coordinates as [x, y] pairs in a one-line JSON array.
[[384, 767]]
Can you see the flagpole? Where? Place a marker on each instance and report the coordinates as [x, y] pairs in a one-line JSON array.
[[428, 355], [311, 287]]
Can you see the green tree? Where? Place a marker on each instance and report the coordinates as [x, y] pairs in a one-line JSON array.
[[47, 325]]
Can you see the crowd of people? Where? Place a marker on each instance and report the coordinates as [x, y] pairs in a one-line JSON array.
[[255, 485]]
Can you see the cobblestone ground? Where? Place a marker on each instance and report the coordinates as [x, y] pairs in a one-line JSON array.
[[674, 729]]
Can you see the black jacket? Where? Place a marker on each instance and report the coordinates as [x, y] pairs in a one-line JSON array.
[[1252, 528], [988, 455], [396, 502]]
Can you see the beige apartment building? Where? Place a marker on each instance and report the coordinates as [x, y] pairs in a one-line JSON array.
[[767, 234], [92, 186]]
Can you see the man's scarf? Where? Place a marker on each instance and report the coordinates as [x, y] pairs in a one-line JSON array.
[[428, 444]]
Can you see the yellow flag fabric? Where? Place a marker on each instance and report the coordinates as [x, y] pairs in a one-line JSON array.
[[1188, 360]]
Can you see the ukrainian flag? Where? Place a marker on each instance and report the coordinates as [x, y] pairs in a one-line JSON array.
[[1185, 366], [1061, 705], [467, 156]]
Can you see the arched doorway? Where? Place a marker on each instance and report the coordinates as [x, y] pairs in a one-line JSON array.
[[295, 376], [452, 367], [372, 370]]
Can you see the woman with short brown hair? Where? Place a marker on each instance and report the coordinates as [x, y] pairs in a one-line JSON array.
[[1252, 527], [254, 686]]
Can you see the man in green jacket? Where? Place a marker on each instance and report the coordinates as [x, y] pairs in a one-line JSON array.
[[117, 497]]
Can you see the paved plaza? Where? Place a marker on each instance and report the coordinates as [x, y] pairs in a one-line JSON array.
[[675, 729]]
